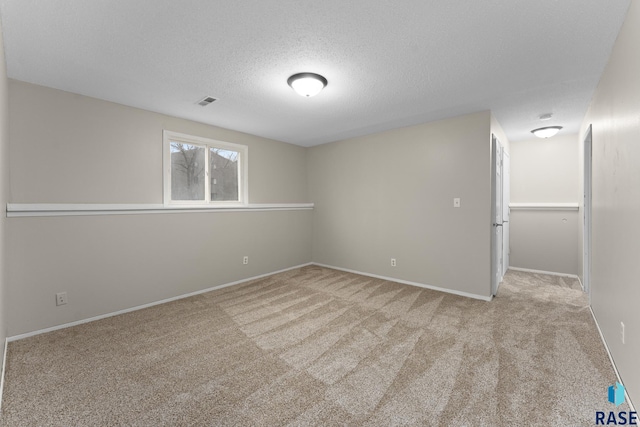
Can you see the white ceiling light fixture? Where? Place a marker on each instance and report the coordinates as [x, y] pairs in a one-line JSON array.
[[307, 84], [546, 132]]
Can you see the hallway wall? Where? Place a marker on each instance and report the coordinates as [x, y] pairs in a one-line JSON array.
[[544, 177], [614, 113]]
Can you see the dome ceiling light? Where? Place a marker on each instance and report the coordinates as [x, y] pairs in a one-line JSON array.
[[546, 132], [307, 84]]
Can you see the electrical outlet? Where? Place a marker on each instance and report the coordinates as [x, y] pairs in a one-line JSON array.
[[61, 298], [393, 262], [622, 332], [245, 260]]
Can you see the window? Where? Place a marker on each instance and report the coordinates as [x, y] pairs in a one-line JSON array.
[[201, 171]]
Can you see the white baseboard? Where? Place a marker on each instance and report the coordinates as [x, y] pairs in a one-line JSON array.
[[552, 273], [407, 282], [4, 364], [615, 369], [151, 304]]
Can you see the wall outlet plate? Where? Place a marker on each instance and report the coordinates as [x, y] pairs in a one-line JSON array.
[[61, 298]]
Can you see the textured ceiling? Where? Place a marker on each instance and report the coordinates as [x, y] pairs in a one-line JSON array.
[[388, 63]]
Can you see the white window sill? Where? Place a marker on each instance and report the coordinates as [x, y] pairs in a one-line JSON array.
[[56, 209]]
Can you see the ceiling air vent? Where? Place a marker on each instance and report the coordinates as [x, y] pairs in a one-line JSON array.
[[206, 101]]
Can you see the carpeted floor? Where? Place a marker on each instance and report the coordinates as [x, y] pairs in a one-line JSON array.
[[315, 346]]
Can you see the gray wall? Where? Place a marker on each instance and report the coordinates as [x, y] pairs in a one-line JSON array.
[[381, 196], [110, 263], [545, 240], [545, 171], [67, 148], [4, 192], [390, 195], [614, 113]]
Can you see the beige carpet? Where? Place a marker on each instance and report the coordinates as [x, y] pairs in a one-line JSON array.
[[315, 346]]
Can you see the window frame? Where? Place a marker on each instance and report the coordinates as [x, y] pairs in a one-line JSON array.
[[243, 171]]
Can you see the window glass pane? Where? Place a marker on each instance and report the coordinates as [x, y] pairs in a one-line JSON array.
[[187, 171], [223, 168]]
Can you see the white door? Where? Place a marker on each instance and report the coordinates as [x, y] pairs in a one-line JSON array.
[[506, 212], [496, 215]]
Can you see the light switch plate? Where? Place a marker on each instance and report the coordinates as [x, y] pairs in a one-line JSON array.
[[456, 202]]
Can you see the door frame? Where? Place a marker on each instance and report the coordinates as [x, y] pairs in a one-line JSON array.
[[506, 210], [587, 210]]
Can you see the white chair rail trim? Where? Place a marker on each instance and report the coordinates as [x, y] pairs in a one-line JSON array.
[[545, 206], [63, 209]]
